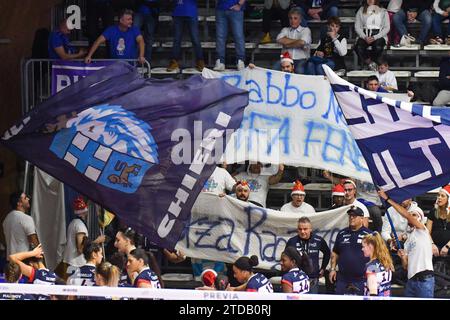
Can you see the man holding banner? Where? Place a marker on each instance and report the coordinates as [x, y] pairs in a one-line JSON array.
[[417, 257], [298, 203], [406, 147], [59, 44], [259, 182]]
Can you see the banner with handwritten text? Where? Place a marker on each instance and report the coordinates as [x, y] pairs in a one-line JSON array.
[[224, 229], [292, 119]]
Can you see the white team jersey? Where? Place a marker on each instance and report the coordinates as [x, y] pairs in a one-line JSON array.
[[297, 279], [83, 276], [259, 283]]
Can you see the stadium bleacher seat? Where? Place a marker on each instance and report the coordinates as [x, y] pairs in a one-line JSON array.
[[177, 277], [427, 74], [362, 75], [169, 44], [162, 72]]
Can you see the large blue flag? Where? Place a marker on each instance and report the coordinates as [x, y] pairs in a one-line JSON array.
[[116, 138], [406, 145]]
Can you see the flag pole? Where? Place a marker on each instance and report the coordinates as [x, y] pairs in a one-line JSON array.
[[399, 246], [390, 221], [25, 178], [102, 231]]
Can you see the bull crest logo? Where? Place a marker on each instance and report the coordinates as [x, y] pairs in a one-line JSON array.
[[125, 173]]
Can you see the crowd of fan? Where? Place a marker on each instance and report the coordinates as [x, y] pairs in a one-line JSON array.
[[366, 255], [376, 28]]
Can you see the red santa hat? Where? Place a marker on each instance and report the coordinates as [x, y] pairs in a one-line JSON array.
[[446, 190], [286, 57], [79, 206], [298, 188], [208, 277], [338, 190], [243, 184]]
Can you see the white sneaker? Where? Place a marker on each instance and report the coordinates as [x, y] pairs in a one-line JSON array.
[[219, 66], [411, 38], [240, 65], [407, 40]]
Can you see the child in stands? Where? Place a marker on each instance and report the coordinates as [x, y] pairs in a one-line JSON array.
[[331, 50]]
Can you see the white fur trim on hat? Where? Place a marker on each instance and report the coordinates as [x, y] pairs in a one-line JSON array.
[[286, 57], [81, 211], [298, 192], [446, 190]]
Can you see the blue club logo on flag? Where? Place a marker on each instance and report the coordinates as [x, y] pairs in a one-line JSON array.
[[109, 145]]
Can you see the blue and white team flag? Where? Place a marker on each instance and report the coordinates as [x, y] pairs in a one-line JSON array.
[[117, 138], [406, 145]]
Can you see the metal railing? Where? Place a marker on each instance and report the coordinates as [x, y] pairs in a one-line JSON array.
[[36, 79]]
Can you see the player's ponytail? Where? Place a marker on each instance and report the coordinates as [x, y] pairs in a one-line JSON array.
[[140, 254], [246, 263], [149, 260], [302, 261], [89, 248], [109, 272], [380, 250], [130, 234]]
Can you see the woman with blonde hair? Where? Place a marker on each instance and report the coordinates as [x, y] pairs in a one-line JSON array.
[[438, 223], [106, 275], [380, 267]]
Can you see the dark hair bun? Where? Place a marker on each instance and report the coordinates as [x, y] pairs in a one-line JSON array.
[[253, 261], [221, 282]]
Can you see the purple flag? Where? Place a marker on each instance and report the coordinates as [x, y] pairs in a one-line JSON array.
[[405, 145], [117, 139]]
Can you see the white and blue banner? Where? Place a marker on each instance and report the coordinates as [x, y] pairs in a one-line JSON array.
[[292, 119], [406, 145], [225, 228]]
